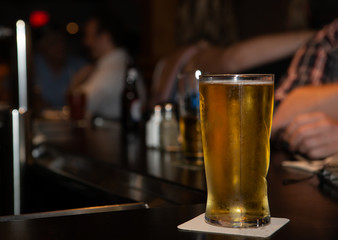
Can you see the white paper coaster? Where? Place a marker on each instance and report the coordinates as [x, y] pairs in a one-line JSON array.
[[198, 224]]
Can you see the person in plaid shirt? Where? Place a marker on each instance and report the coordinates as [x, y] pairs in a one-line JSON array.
[[313, 64], [306, 116]]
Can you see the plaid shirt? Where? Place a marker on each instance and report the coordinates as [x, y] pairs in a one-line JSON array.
[[315, 63]]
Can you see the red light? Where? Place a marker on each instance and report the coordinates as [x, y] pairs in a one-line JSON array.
[[39, 18]]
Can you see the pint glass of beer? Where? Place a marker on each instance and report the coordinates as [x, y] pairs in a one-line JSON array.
[[236, 115]]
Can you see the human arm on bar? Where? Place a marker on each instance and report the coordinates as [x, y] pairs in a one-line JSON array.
[[249, 53], [234, 58], [308, 120]]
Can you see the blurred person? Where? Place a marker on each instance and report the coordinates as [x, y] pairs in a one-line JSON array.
[[211, 46], [54, 67], [305, 115], [103, 82]]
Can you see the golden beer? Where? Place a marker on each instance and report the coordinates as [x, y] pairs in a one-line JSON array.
[[190, 128], [236, 121]]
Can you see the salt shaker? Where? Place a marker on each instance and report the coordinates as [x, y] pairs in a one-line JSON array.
[[153, 128]]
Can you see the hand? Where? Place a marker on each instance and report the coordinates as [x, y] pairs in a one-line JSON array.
[[304, 100], [301, 100], [313, 134]]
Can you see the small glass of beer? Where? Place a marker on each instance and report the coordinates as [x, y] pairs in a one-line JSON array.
[[189, 120], [236, 116]]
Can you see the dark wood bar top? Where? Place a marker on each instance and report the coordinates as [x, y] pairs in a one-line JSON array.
[[174, 190], [155, 223], [120, 163]]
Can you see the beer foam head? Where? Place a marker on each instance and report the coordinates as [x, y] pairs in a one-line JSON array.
[[238, 78], [240, 82]]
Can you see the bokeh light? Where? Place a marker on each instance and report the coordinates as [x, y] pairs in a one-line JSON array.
[[72, 28], [39, 18]]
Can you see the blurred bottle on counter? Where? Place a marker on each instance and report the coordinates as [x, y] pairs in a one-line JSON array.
[[131, 102], [169, 132], [153, 128]]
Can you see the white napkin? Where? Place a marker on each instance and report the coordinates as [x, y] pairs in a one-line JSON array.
[[198, 224], [307, 165]]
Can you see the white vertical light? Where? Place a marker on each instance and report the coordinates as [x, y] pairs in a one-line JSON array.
[[16, 162], [22, 63]]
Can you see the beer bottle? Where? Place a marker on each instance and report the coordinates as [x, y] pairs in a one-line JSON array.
[[131, 104]]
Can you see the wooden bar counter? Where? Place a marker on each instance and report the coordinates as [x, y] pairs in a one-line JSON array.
[[117, 164]]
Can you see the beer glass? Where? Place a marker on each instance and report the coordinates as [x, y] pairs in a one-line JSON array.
[[236, 116], [189, 120]]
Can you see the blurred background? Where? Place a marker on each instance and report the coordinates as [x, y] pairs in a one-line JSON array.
[[153, 26]]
